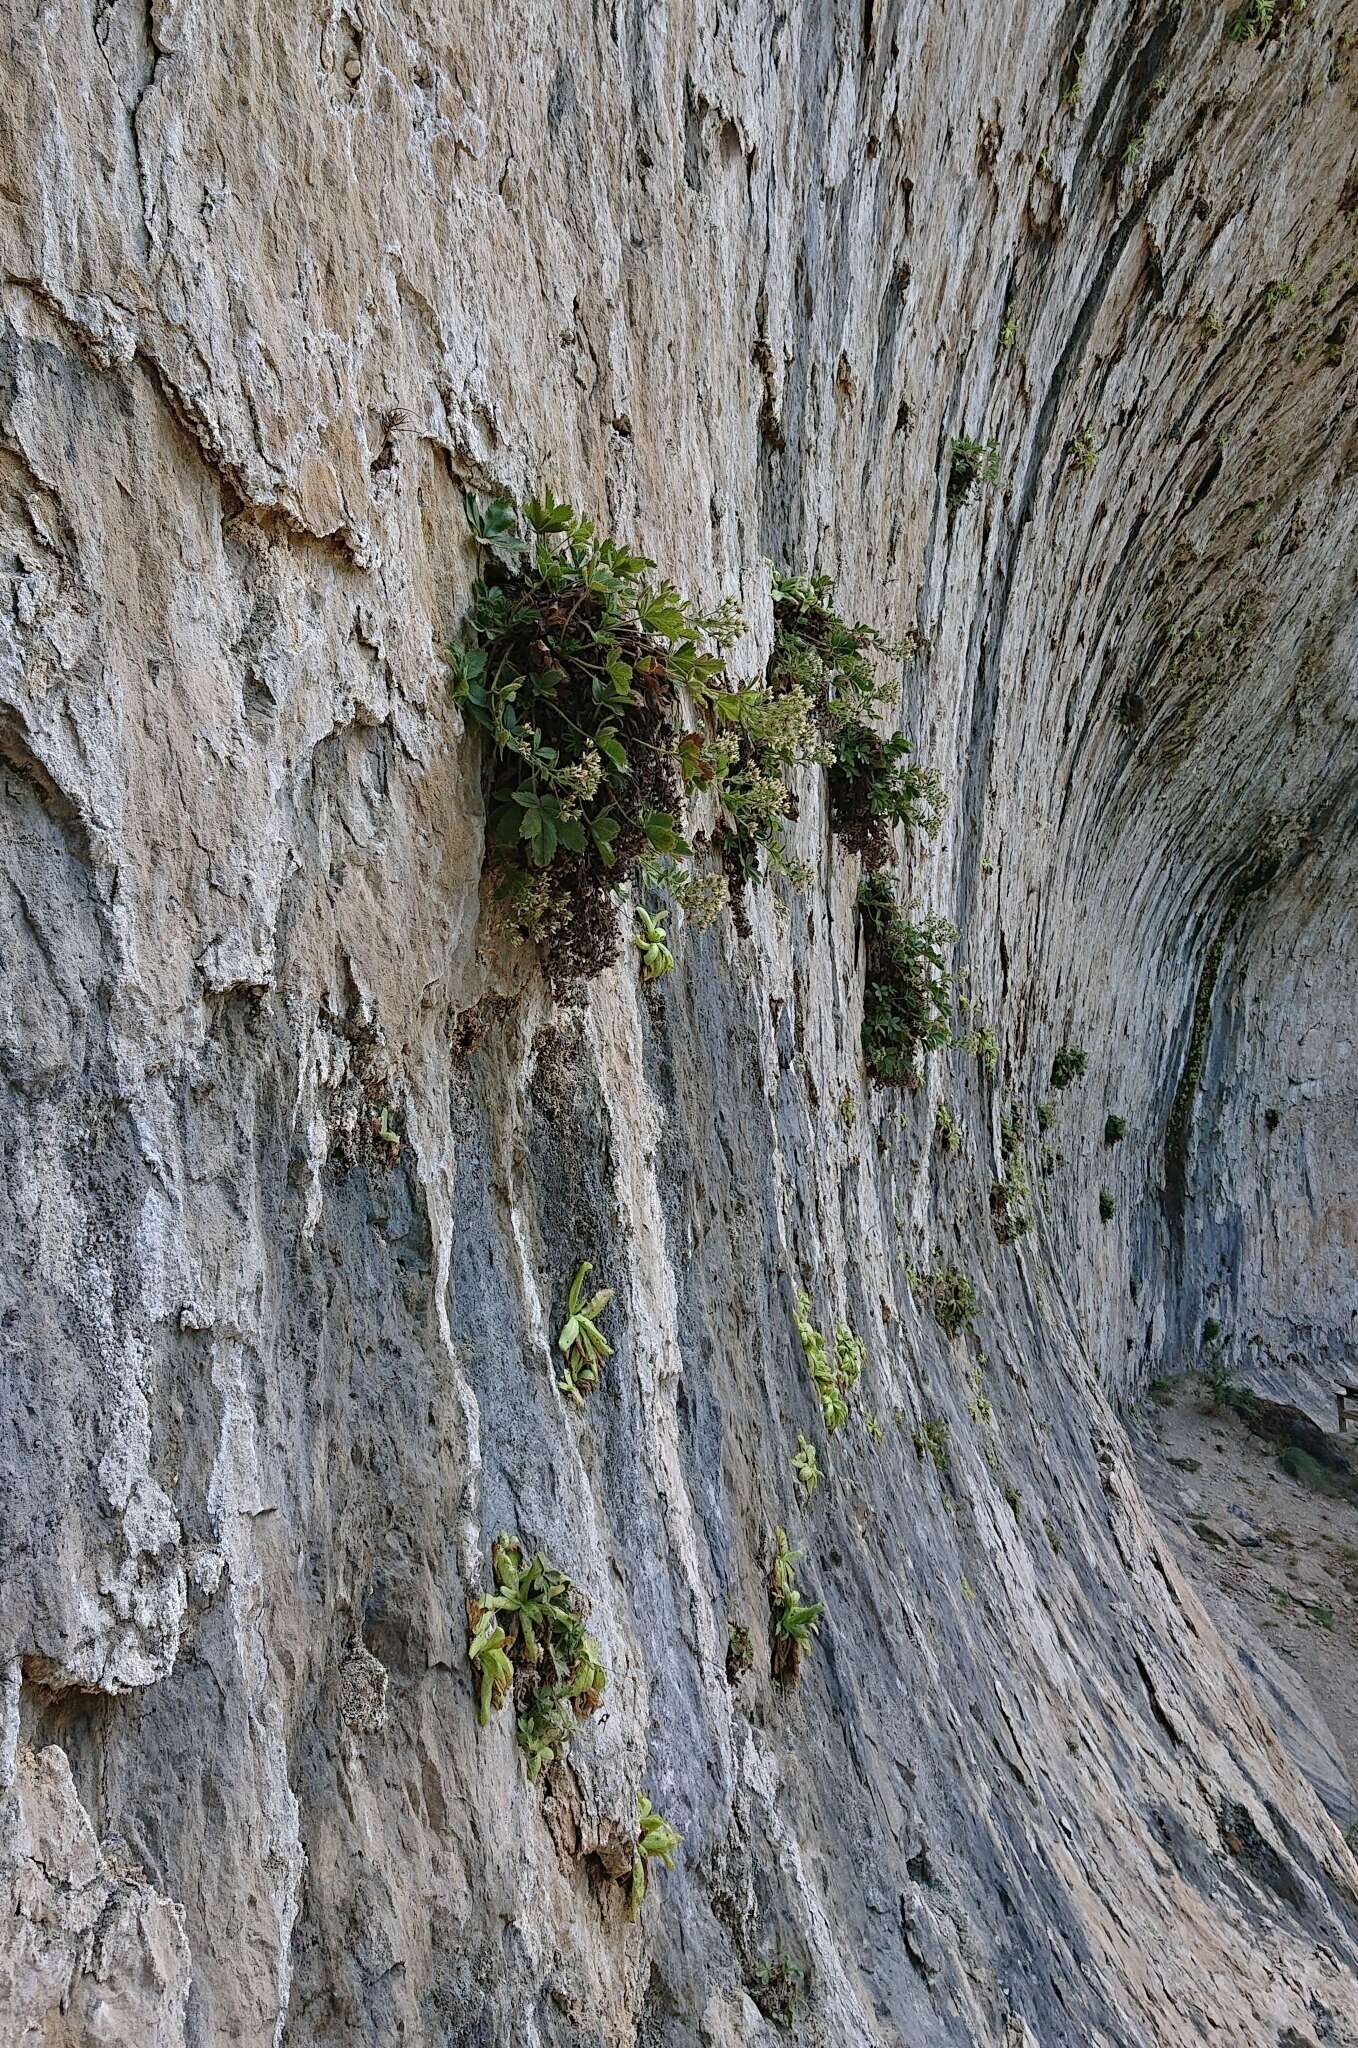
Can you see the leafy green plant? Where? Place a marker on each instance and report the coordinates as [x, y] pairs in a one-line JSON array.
[[873, 1426], [1084, 452], [833, 1379], [1282, 288], [573, 668], [778, 1987], [906, 988], [1008, 328], [739, 1651], [980, 1043], [953, 1300], [1069, 1065], [972, 465], [1211, 1330], [933, 1439], [1211, 325], [580, 670], [851, 1355], [528, 1637], [1259, 20], [494, 1672], [948, 1129], [581, 1342], [805, 1463], [656, 1842], [651, 940], [1011, 1195], [794, 1620], [1107, 1205], [1114, 1129], [824, 660]]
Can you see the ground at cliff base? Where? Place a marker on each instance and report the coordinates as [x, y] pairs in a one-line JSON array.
[[1273, 1556]]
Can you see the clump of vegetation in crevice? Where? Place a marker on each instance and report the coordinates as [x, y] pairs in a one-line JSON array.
[[1069, 1065], [972, 465], [1261, 21], [1114, 1129], [948, 1129], [793, 1619], [833, 1378], [581, 1342], [656, 1842], [933, 1440], [778, 1987], [821, 657], [980, 1043], [953, 1300], [1011, 1196], [906, 987], [574, 667], [1084, 450], [739, 1651], [1107, 1205], [806, 1463], [527, 1639]]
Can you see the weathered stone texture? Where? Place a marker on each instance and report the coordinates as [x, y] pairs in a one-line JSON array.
[[278, 284]]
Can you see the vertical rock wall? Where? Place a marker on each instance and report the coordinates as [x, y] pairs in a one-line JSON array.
[[278, 285]]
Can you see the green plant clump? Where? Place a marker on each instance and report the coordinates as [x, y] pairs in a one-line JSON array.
[[794, 1620], [739, 1650], [953, 1300], [651, 940], [1107, 1205], [906, 988], [823, 660], [576, 667], [805, 1463], [528, 1638], [1011, 1195], [1084, 452], [656, 1842], [1069, 1065], [834, 1379], [948, 1129], [981, 1044], [777, 1987], [581, 1342], [1114, 1130], [933, 1439], [1211, 1330], [972, 465]]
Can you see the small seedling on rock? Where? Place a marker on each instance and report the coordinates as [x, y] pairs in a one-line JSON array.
[[805, 1463], [794, 1620], [739, 1651], [972, 465], [581, 1342], [656, 1842]]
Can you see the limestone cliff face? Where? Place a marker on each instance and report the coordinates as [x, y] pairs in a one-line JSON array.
[[279, 283]]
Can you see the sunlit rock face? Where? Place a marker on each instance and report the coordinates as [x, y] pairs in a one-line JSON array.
[[279, 286]]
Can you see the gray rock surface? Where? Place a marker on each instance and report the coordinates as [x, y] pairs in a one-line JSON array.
[[278, 285]]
